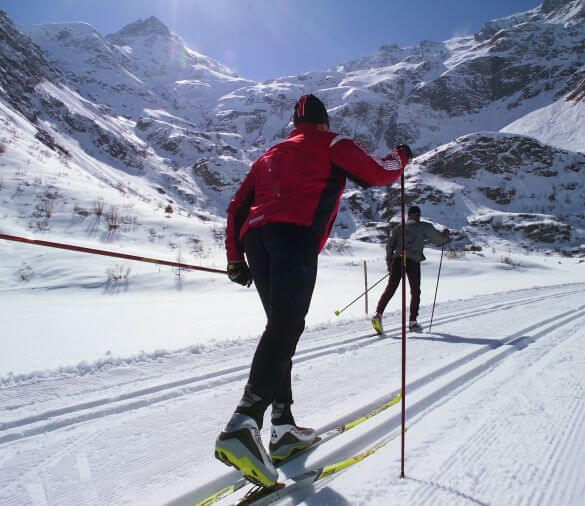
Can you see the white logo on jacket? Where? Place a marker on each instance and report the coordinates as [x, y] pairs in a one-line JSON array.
[[254, 220]]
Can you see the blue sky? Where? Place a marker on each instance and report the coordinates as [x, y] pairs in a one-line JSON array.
[[263, 39]]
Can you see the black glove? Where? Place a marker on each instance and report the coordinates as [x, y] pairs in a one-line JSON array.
[[239, 272], [405, 149]]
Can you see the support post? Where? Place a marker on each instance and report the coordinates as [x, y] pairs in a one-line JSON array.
[[366, 285]]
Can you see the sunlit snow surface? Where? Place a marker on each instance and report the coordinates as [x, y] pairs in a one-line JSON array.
[[114, 393]]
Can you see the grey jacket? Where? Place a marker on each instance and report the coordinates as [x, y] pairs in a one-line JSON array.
[[416, 234]]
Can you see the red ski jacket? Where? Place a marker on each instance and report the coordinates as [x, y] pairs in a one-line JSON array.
[[300, 180]]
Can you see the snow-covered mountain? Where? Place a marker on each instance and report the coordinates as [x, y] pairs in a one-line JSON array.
[[495, 188], [143, 66], [561, 124], [138, 109]]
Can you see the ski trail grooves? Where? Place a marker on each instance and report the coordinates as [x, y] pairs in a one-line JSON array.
[[33, 425], [151, 455], [569, 433], [489, 433], [438, 387], [553, 434], [486, 480]]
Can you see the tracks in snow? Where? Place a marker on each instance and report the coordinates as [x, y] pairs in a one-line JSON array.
[[563, 436], [424, 393], [54, 419], [436, 387]]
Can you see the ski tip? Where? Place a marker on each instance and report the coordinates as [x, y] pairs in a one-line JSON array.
[[337, 312]]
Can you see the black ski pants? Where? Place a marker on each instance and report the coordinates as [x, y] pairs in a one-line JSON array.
[[283, 261], [413, 274]]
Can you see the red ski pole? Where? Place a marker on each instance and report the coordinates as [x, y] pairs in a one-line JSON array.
[[94, 251], [403, 389]]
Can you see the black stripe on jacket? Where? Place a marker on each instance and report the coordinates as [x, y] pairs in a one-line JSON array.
[[326, 203]]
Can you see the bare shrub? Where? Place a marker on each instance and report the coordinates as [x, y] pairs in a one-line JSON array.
[[179, 261], [455, 254], [196, 246], [178, 271], [338, 246], [45, 208], [121, 188], [25, 273], [97, 206], [169, 209], [2, 148], [43, 225], [80, 211], [515, 264], [129, 219], [51, 193], [117, 273], [218, 234], [113, 219], [1, 183]]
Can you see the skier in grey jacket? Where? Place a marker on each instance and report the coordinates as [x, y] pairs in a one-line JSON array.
[[416, 233]]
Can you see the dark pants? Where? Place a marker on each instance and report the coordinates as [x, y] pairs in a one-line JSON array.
[[413, 274], [283, 261]]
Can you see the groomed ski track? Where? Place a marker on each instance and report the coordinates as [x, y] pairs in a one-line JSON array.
[[143, 432]]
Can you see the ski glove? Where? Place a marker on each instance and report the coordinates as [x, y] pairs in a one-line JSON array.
[[405, 149], [239, 272], [446, 233]]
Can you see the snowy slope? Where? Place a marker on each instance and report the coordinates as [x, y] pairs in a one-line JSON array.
[[494, 399], [560, 124], [493, 187], [143, 66]]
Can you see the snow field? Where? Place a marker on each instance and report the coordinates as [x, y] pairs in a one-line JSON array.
[[130, 422]]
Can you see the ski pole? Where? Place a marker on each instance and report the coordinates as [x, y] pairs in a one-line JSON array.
[[403, 375], [339, 311], [94, 251], [437, 287]]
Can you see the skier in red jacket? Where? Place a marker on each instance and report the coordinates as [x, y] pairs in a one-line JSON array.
[[281, 217]]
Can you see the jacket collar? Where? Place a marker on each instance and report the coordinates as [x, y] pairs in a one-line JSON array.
[[302, 128]]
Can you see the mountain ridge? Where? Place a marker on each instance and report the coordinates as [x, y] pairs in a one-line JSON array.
[[187, 127]]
